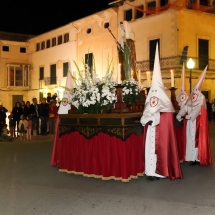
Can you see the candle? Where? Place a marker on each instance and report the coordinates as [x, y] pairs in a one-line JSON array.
[[172, 78], [139, 79], [148, 79], [119, 74]]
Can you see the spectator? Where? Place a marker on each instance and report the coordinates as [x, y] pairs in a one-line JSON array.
[[34, 110], [213, 110], [3, 115], [44, 115], [5, 132], [209, 109], [52, 116], [17, 112], [48, 97], [27, 109], [22, 105], [11, 126], [22, 127], [54, 97], [29, 127]]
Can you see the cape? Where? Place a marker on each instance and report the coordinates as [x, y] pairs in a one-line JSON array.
[[165, 148], [202, 139]]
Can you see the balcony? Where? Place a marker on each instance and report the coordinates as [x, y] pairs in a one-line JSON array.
[[50, 80], [174, 63]]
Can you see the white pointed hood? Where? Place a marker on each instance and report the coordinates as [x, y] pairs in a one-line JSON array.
[[157, 99], [196, 97], [182, 95], [64, 105]]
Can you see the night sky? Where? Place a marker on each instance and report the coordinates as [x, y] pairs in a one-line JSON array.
[[37, 17]]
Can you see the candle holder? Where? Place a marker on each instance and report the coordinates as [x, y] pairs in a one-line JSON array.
[[173, 98], [120, 105]]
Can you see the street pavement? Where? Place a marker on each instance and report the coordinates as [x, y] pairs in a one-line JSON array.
[[30, 185]]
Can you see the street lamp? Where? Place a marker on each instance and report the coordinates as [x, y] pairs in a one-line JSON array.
[[190, 65]]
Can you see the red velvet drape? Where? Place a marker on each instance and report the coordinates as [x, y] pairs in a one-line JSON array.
[[102, 156]]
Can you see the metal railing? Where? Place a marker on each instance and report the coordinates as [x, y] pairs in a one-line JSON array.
[[50, 80], [174, 63]]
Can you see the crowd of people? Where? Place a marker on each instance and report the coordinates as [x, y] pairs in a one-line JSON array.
[[27, 119]]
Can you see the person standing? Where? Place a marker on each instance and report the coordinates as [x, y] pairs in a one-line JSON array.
[[160, 138], [44, 115], [22, 127], [52, 116], [17, 112], [181, 98], [34, 110], [29, 127], [213, 110], [3, 115], [11, 125], [197, 138]]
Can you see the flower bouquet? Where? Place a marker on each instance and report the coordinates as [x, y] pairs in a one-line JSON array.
[[131, 92], [93, 95]]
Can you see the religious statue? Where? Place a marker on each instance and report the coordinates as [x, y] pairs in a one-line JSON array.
[[126, 52]]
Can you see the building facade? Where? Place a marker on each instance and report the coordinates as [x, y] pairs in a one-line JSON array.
[[91, 40]]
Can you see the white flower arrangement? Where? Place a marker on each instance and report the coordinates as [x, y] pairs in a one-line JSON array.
[[93, 95], [131, 92]]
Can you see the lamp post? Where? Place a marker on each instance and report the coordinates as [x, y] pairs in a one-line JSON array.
[[190, 66]]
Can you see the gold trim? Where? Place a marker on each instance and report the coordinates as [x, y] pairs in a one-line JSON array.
[[102, 177], [88, 131]]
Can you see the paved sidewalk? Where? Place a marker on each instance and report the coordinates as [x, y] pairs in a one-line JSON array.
[[34, 137]]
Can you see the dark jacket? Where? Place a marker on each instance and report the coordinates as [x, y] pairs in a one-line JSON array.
[[34, 113], [3, 112], [17, 112], [44, 110]]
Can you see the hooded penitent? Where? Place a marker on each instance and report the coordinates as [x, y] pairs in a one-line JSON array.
[[196, 97], [157, 99], [64, 106], [182, 95]]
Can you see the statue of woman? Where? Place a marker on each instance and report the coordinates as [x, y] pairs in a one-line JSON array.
[[127, 53]]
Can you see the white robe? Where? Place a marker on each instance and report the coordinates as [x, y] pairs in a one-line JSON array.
[[150, 156], [193, 112]]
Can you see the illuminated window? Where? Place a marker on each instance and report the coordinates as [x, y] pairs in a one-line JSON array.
[[18, 75]]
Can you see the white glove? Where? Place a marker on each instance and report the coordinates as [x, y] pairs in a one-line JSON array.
[[178, 117], [188, 117]]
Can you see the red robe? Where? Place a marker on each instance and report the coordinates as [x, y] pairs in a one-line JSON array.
[[165, 148], [202, 138]]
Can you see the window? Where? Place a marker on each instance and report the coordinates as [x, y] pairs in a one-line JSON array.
[[203, 53], [53, 78], [66, 38], [151, 5], [42, 45], [48, 43], [41, 73], [38, 47], [54, 41], [22, 50], [89, 61], [139, 13], [152, 49], [59, 40], [65, 69], [5, 48], [128, 15], [18, 75], [89, 30]]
